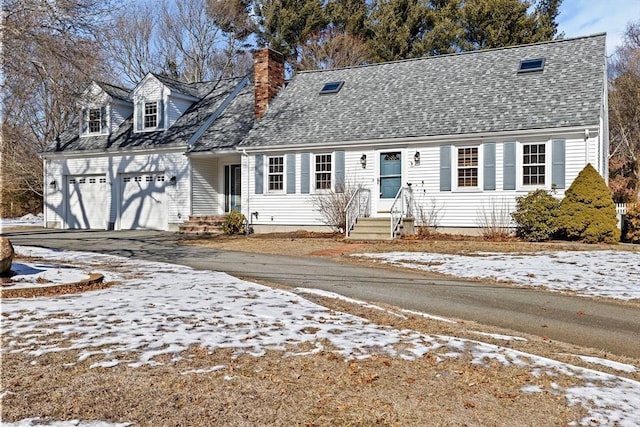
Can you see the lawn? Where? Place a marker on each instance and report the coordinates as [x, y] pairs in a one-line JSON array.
[[168, 345]]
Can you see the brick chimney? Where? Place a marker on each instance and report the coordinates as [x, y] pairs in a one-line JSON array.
[[269, 78]]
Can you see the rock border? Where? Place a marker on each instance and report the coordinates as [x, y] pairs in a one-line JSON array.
[[95, 281]]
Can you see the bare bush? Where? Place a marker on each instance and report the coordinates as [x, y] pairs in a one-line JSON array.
[[332, 206], [429, 215], [494, 218]]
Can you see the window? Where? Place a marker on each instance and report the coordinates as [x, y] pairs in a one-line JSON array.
[[468, 167], [276, 173], [150, 115], [95, 120], [529, 65], [533, 164], [323, 172], [331, 87]]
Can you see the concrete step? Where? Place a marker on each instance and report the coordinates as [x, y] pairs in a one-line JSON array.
[[378, 228]]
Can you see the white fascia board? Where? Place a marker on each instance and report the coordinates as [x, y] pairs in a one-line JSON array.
[[408, 141], [102, 153], [212, 153]]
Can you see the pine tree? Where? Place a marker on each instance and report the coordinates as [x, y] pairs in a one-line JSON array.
[[587, 212]]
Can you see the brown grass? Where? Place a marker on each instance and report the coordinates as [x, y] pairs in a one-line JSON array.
[[317, 390]]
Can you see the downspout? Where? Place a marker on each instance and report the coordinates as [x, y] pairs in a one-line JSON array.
[[250, 220]]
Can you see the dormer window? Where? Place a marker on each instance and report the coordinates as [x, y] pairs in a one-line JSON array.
[[94, 121], [150, 115]]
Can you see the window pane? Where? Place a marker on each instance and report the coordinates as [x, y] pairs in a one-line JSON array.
[[533, 164], [323, 172], [150, 115], [468, 167], [95, 120], [276, 173]]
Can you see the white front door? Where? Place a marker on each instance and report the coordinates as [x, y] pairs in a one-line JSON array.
[[389, 179], [87, 200], [143, 201]]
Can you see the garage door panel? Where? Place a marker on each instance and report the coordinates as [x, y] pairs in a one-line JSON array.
[[87, 202], [143, 202]]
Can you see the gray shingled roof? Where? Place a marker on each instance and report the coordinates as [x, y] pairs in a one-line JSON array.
[[115, 91], [211, 95], [474, 92]]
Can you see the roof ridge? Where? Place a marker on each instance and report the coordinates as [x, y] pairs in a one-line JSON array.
[[469, 52]]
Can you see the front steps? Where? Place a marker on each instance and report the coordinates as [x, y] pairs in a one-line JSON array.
[[379, 228], [202, 225]]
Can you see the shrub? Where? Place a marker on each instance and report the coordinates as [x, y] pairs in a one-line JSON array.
[[332, 206], [587, 211], [632, 221], [536, 216], [494, 219], [234, 223]]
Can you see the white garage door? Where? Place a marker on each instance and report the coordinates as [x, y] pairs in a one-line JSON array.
[[87, 198], [143, 201]]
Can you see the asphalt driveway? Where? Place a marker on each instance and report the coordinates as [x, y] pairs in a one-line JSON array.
[[610, 326]]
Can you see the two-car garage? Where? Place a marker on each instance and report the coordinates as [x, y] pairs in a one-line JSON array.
[[137, 201]]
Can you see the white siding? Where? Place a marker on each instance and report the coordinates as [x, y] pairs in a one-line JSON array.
[[176, 108], [459, 208], [119, 113], [171, 164], [205, 196]]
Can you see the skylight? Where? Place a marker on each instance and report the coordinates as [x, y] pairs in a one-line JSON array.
[[331, 87], [528, 65]]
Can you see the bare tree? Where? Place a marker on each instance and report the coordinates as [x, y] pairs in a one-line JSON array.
[[191, 41], [50, 55], [624, 113], [331, 48]]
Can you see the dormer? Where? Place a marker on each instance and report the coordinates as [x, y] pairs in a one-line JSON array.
[[103, 107], [159, 101]]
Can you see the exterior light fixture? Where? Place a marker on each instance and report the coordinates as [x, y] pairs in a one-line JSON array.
[[53, 184], [172, 180], [416, 158], [363, 161]]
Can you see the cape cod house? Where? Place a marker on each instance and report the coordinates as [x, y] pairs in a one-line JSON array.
[[455, 137]]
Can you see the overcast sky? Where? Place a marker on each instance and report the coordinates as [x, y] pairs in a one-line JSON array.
[[586, 17]]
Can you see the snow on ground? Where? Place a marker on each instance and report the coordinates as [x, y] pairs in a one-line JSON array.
[[27, 220], [163, 309], [37, 275], [612, 274]]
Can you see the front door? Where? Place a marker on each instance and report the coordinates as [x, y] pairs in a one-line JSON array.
[[232, 187], [390, 179]]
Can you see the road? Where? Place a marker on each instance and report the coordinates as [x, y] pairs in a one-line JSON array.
[[609, 326]]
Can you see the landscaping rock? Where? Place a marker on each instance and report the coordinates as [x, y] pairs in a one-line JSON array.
[[6, 255]]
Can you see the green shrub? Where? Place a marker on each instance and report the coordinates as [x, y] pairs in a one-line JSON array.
[[632, 221], [234, 223], [587, 212], [536, 216]]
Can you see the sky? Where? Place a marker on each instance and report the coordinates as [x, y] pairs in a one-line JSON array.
[[163, 309], [586, 17]]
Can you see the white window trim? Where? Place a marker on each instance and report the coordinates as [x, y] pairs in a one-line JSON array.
[[268, 173], [454, 169], [140, 104], [145, 115], [85, 112], [313, 172], [520, 165]]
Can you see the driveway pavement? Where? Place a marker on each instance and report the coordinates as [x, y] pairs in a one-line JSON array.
[[609, 326]]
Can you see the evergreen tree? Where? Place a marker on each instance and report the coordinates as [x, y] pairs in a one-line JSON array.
[[285, 25], [587, 211]]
